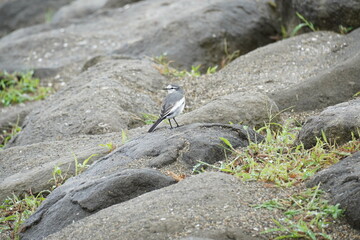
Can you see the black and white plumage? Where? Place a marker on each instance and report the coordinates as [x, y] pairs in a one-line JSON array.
[[172, 106]]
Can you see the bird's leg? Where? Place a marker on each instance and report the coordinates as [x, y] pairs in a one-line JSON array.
[[170, 123], [176, 122]]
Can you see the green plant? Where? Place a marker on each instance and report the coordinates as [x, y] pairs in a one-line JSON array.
[[110, 146], [58, 178], [149, 119], [14, 211], [305, 23], [345, 30], [6, 134], [306, 215], [124, 137], [20, 87], [167, 70], [81, 167], [49, 14], [279, 159], [229, 57], [357, 94]]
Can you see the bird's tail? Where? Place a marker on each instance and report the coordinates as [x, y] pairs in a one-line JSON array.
[[155, 124]]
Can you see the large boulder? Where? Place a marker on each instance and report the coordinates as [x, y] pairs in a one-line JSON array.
[[109, 96], [339, 123], [66, 206], [325, 15], [17, 14], [206, 206], [252, 109], [30, 168], [342, 182], [307, 72], [102, 185], [189, 32]]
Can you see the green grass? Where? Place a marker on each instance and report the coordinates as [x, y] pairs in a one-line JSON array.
[[304, 23], [279, 160], [7, 134], [14, 211], [306, 215], [20, 87], [166, 69]]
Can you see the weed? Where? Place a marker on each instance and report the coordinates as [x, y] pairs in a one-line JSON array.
[[7, 135], [345, 30], [167, 70], [14, 211], [306, 215], [110, 146], [229, 57], [149, 119], [57, 177], [49, 14], [124, 137], [81, 167], [305, 23], [20, 87], [279, 160]]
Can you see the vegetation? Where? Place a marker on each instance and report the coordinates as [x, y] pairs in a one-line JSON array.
[[167, 70], [20, 87], [14, 211], [8, 134], [280, 160], [305, 215]]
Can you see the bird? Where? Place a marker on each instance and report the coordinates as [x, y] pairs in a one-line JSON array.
[[172, 105]]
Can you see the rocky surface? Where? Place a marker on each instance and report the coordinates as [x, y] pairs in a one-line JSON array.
[[342, 182], [30, 168], [340, 123], [152, 28], [97, 53], [210, 205], [108, 182], [325, 15], [69, 204], [114, 87], [252, 109], [23, 13], [307, 72]]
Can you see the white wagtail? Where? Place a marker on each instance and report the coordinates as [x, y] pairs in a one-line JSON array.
[[172, 106]]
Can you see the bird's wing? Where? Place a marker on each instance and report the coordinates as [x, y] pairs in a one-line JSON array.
[[171, 103]]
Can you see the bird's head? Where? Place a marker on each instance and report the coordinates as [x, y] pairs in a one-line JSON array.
[[172, 88]]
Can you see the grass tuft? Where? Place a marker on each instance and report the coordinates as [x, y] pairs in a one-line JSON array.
[[14, 211], [306, 215], [20, 87], [279, 159]]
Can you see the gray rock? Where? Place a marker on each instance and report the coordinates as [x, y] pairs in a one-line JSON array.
[[17, 14], [77, 9], [30, 168], [341, 180], [334, 85], [307, 72], [252, 109], [108, 97], [69, 204], [15, 115], [148, 28], [325, 15], [209, 205], [119, 3], [338, 123], [169, 150]]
